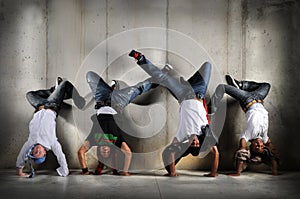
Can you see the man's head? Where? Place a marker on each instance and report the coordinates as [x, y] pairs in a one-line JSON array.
[[104, 151], [194, 148], [195, 142], [37, 153], [257, 145]]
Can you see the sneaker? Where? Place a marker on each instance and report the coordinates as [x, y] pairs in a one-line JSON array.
[[115, 85], [231, 81], [115, 172], [112, 83], [98, 170], [58, 81], [136, 55], [167, 68]]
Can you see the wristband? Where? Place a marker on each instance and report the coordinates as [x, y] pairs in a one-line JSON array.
[[85, 170]]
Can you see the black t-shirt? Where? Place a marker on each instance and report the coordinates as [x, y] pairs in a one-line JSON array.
[[109, 133]]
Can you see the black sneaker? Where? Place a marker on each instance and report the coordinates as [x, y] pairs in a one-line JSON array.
[[58, 81], [137, 55], [231, 81]]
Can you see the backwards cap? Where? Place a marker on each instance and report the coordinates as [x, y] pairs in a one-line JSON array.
[[35, 159]]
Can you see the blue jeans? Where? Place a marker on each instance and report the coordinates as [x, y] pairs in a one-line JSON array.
[[51, 98], [118, 99], [196, 86], [249, 91], [199, 81]]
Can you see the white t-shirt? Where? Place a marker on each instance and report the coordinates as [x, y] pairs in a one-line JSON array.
[[42, 130], [192, 116], [106, 110], [257, 123]]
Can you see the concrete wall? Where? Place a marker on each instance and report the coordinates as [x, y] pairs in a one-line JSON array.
[[41, 40]]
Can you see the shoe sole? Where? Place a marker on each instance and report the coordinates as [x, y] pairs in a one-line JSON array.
[[167, 68]]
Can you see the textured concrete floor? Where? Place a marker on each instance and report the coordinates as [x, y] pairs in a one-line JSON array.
[[150, 184]]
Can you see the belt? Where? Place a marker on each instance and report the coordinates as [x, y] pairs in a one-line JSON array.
[[102, 103], [251, 103], [188, 97]]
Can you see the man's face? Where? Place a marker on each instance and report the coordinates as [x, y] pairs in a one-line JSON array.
[[195, 142], [39, 151], [257, 145], [104, 151]]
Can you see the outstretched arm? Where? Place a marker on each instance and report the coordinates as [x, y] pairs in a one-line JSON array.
[[128, 155], [63, 169], [81, 157], [274, 167], [172, 164], [168, 157], [214, 163], [20, 163], [239, 163], [243, 143], [270, 145], [21, 173]]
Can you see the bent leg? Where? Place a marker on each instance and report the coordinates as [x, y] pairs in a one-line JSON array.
[[121, 98], [38, 98], [63, 91], [181, 89], [260, 89], [128, 155], [101, 91], [240, 95], [171, 158], [199, 81]]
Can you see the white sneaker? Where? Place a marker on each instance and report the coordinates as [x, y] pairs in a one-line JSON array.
[[114, 84], [167, 68]]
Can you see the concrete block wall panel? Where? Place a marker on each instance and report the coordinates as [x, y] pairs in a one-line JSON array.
[[206, 23], [41, 40], [271, 55], [75, 28], [147, 132], [23, 68]]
